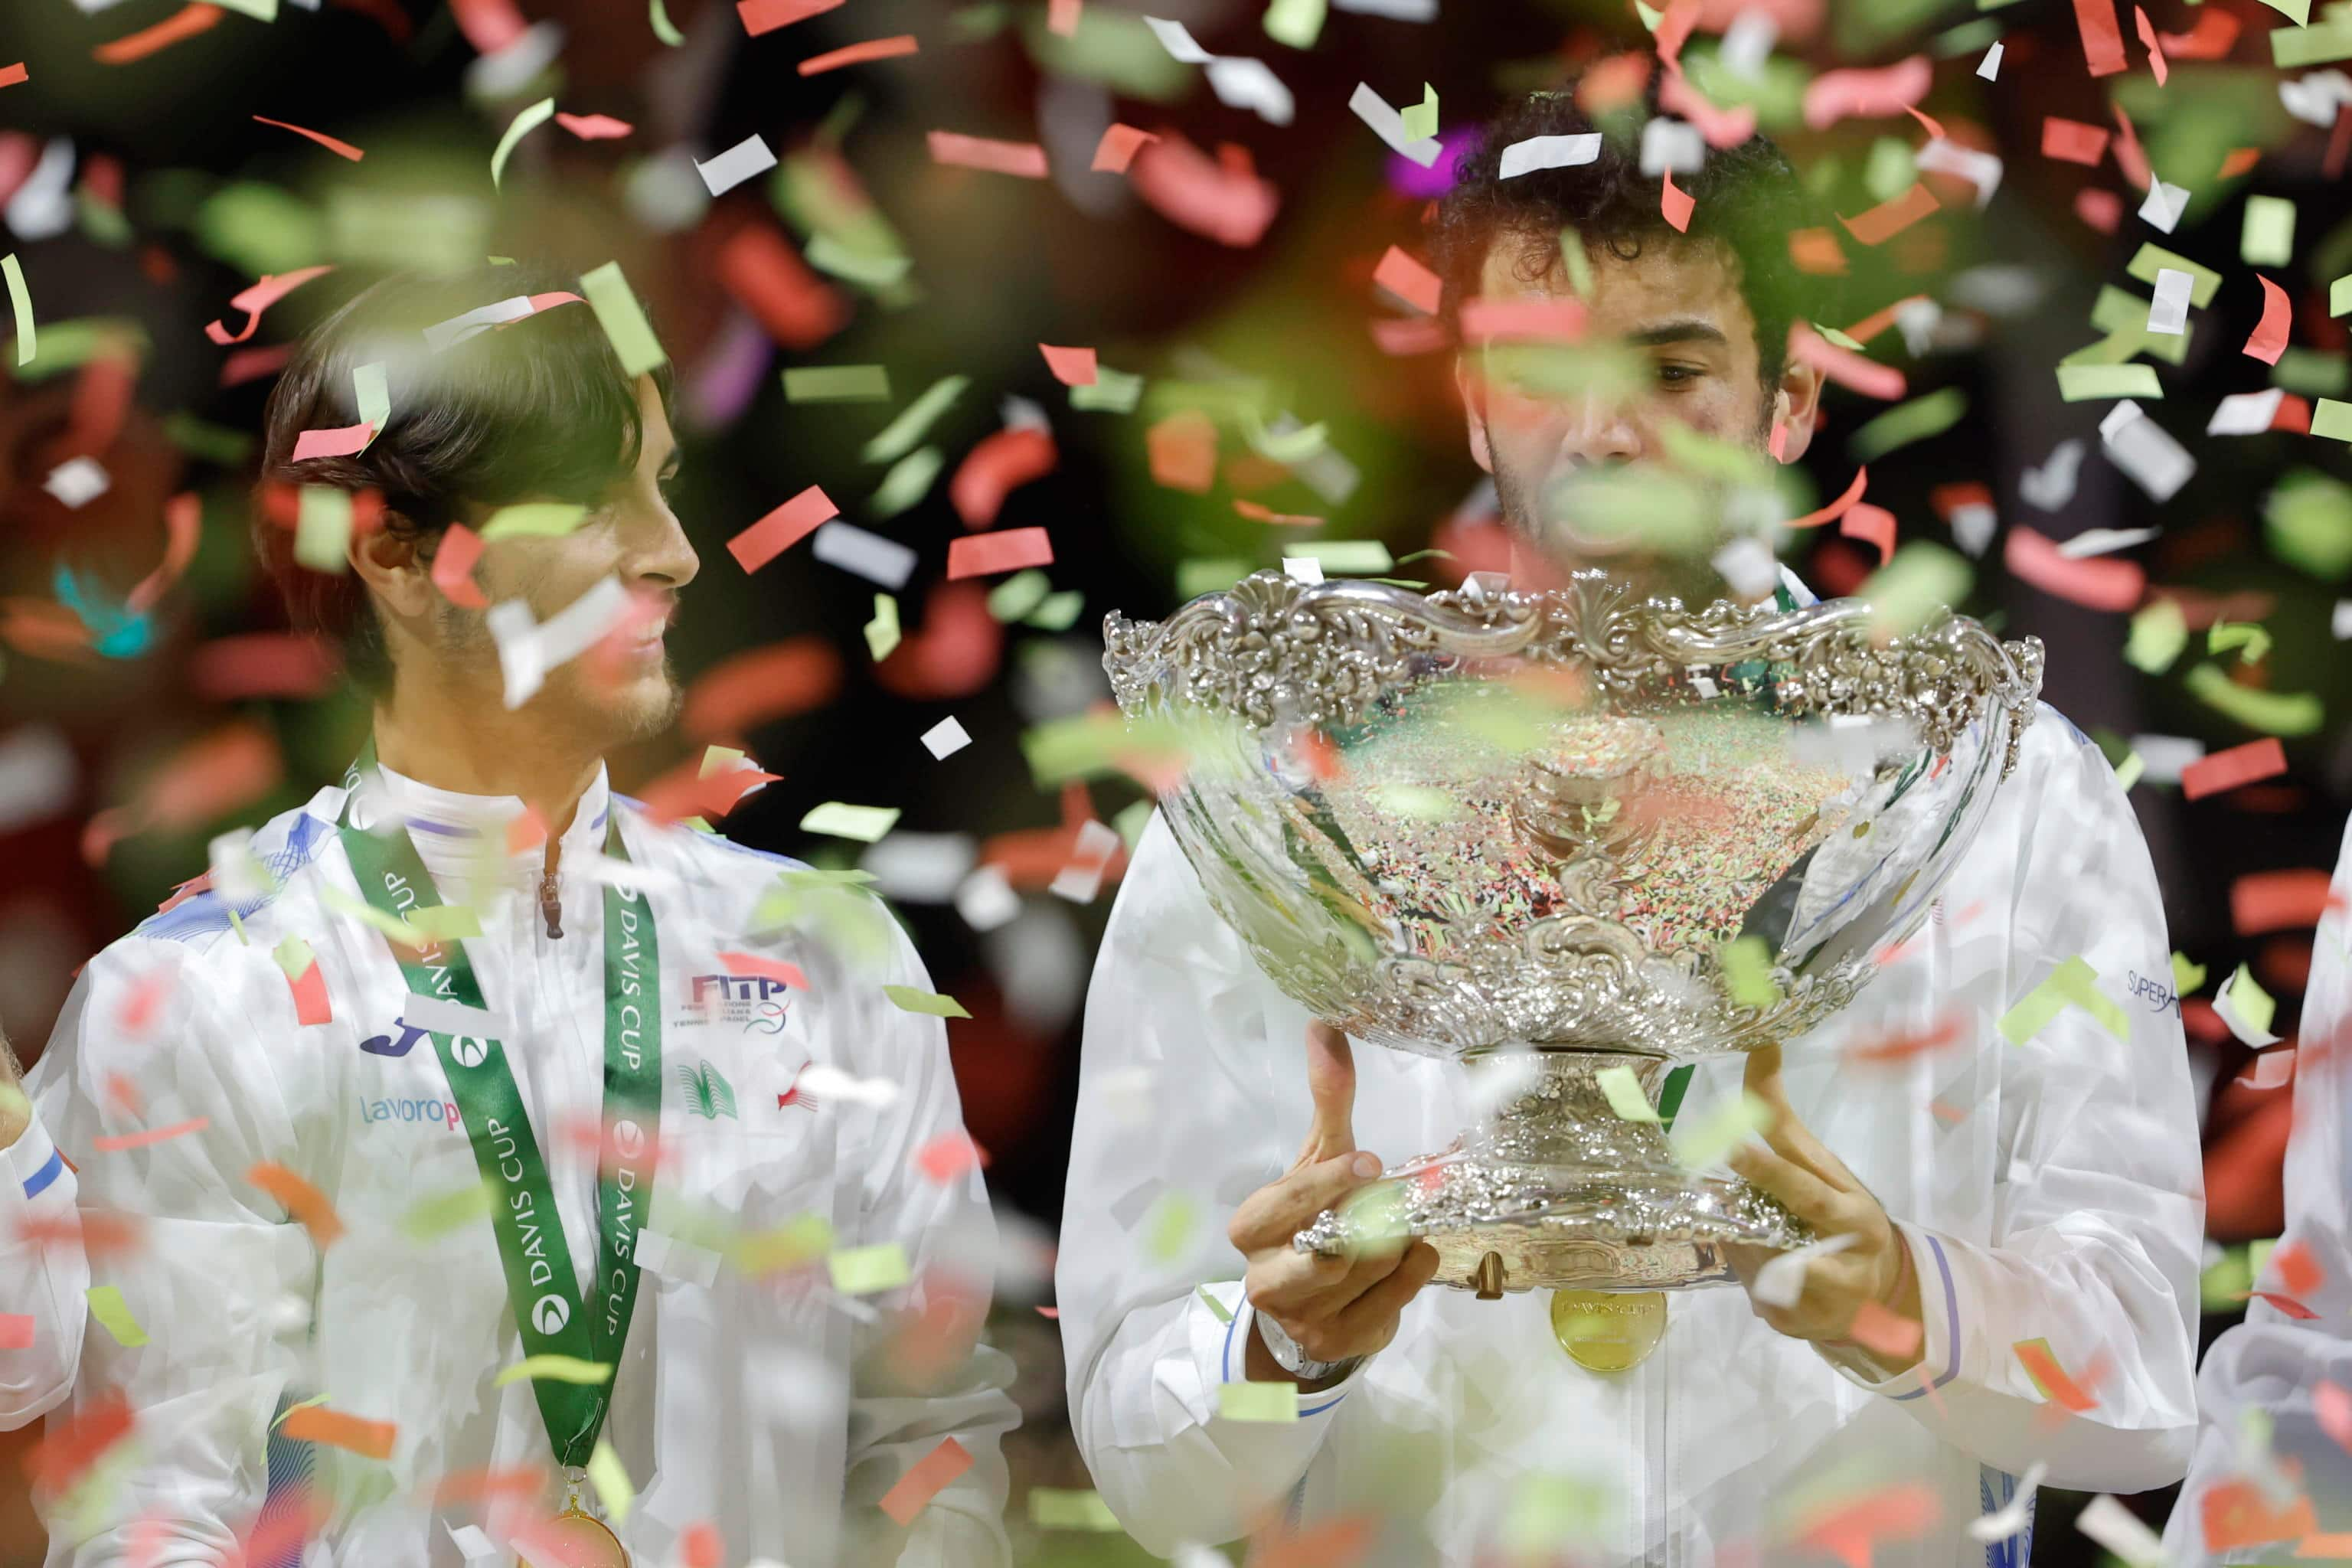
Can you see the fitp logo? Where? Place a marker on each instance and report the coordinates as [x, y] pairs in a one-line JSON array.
[[469, 1051], [550, 1314]]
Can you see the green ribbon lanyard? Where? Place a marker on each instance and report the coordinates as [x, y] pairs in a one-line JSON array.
[[394, 879]]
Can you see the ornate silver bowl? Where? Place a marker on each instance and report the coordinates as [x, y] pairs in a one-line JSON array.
[[1548, 833]]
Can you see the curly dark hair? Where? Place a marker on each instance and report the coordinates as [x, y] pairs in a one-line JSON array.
[[1748, 198]]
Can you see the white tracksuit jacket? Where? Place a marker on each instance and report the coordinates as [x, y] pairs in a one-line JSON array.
[[2048, 1191], [762, 1405], [43, 1276]]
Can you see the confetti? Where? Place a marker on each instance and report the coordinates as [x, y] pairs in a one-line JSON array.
[[1549, 153], [16, 1332], [983, 555], [2071, 983], [181, 25], [317, 1423], [869, 555], [1002, 462], [766, 15], [611, 1480], [594, 127], [2221, 771], [114, 1315], [2278, 713], [2077, 382], [1406, 278], [2246, 1008], [1867, 94], [748, 159], [930, 1004], [1625, 1095], [1026, 159], [20, 301], [945, 738], [1883, 222], [555, 1369], [860, 53], [1117, 148], [1389, 125], [1875, 1327], [913, 1491], [1054, 1508], [525, 121], [837, 384], [2266, 236], [623, 319], [862, 1270], [1275, 1402], [340, 149], [782, 528], [2103, 39]]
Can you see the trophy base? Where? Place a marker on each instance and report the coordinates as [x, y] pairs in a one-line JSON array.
[[1555, 1191]]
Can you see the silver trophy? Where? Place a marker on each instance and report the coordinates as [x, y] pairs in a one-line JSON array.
[[1552, 833]]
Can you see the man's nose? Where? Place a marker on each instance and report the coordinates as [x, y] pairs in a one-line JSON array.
[[663, 555], [1597, 431]]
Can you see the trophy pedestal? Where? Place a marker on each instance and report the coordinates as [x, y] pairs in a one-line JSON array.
[[1554, 1190]]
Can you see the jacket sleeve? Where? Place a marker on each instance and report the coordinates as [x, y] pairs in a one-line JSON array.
[[2098, 1202], [2275, 1362], [43, 1276], [215, 1278], [923, 1374], [1177, 1091]]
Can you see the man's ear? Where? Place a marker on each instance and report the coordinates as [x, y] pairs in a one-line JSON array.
[[396, 573], [1795, 405], [1472, 387]]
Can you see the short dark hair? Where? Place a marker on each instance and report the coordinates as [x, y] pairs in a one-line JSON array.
[[1747, 199], [540, 408]]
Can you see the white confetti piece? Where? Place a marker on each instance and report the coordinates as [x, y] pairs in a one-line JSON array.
[[1394, 10], [867, 554], [1748, 42], [37, 775], [986, 900], [1782, 1279], [2052, 485], [77, 481], [2164, 206], [1303, 568], [946, 738], [472, 1544], [824, 1082], [527, 651], [2014, 1516], [1989, 66], [2146, 450], [2116, 1526], [920, 867], [674, 1259], [2169, 311], [1251, 84], [2163, 757], [1177, 39], [2246, 413], [1747, 564], [1387, 124], [1549, 153], [444, 1017], [2105, 541], [1972, 526], [2342, 623], [447, 334], [1669, 144], [1982, 170], [745, 159]]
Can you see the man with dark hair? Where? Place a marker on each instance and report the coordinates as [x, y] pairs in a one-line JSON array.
[[1983, 1196], [468, 971]]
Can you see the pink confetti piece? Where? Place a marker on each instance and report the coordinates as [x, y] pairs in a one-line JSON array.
[[2148, 37], [256, 298], [2043, 1368], [1855, 372], [2292, 899], [593, 127], [1049, 1311], [1816, 251], [339, 442], [2102, 210], [1673, 32], [1406, 278], [762, 968], [1721, 127], [2130, 157], [1024, 158], [1866, 94], [1872, 525], [310, 1005], [985, 554], [2226, 770], [2073, 141], [1674, 204], [1062, 17], [115, 1144], [2287, 1304], [1838, 508], [858, 54], [138, 1010], [2273, 1069], [1071, 367], [2296, 1269], [916, 1488], [12, 75], [293, 665], [2095, 581], [949, 1156], [453, 567], [782, 528], [340, 149], [1117, 149], [1927, 122], [1182, 451], [1555, 321], [1887, 220], [489, 25], [16, 1332], [2102, 39], [1222, 198], [2268, 337], [2333, 1407], [2214, 36], [1001, 463], [766, 15], [701, 1545]]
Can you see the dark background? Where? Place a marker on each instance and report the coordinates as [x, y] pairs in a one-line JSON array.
[[185, 199]]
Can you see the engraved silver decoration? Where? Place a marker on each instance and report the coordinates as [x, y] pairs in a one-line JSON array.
[[1519, 830]]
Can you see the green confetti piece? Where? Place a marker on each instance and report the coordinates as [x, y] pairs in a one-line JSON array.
[[2252, 641], [2339, 296], [2077, 382], [337, 901], [2332, 420], [1298, 23], [2127, 771], [1923, 580], [20, 299], [2255, 1007], [373, 395], [2121, 345], [1018, 595], [1223, 1315], [863, 823], [907, 482], [2311, 373], [533, 519], [322, 529], [2267, 237], [1112, 392], [1890, 169], [279, 1420], [877, 270], [2295, 11], [1700, 1143], [1290, 447], [2258, 1254], [1057, 1508], [1421, 118], [799, 1240], [605, 1471], [1059, 611], [294, 956], [446, 923], [212, 443], [1842, 340], [862, 1270], [1170, 1226], [69, 345], [2187, 978], [929, 1003], [13, 1102], [882, 631], [259, 10], [623, 319], [1347, 557], [1577, 261], [901, 435], [1258, 1401], [2272, 713], [664, 28], [2307, 524], [837, 384], [2151, 260], [1650, 16], [2073, 984], [113, 1313], [2123, 316], [1747, 968], [1625, 1097], [1547, 1511], [428, 1218], [1130, 822], [2158, 634], [2292, 49], [555, 1369], [1208, 574], [520, 126], [2223, 1287], [1917, 420]]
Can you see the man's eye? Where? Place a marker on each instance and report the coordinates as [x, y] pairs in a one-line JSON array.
[[1679, 374]]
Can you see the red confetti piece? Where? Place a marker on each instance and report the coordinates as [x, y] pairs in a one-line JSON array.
[[2148, 38], [2102, 210], [1553, 320], [1257, 513], [1403, 336], [1674, 204], [1673, 32], [782, 528], [1858, 372], [1721, 127], [701, 1545], [749, 688], [766, 15], [16, 1332], [311, 1003], [1062, 16], [1002, 462], [2242, 159], [1889, 1333], [122, 1095], [1117, 148], [2262, 759], [453, 567], [1024, 158], [1339, 1543], [256, 298], [2073, 141], [489, 25], [2102, 39], [1406, 278], [2130, 157], [2043, 1368], [75, 1442], [1872, 525], [1071, 367], [117, 1143], [2269, 339], [768, 278], [2235, 1514], [949, 1156], [1874, 94], [340, 149], [252, 364], [297, 1197], [2095, 581], [1182, 450], [2273, 1069], [339, 442], [12, 75], [317, 1423], [858, 54], [2333, 1408], [916, 1488], [182, 25], [1816, 251], [184, 517], [1838, 508], [2215, 34], [1927, 122], [138, 1009], [1209, 196], [2296, 1269], [2262, 901], [593, 127], [955, 654], [985, 554], [764, 968], [1887, 220], [1877, 322]]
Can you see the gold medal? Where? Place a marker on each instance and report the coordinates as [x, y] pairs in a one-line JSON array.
[[577, 1539], [1607, 1331]]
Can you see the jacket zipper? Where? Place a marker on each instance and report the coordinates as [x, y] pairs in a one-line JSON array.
[[551, 891]]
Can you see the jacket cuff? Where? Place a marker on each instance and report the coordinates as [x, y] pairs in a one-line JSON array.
[[32, 1167], [1220, 1350], [1941, 1318]]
